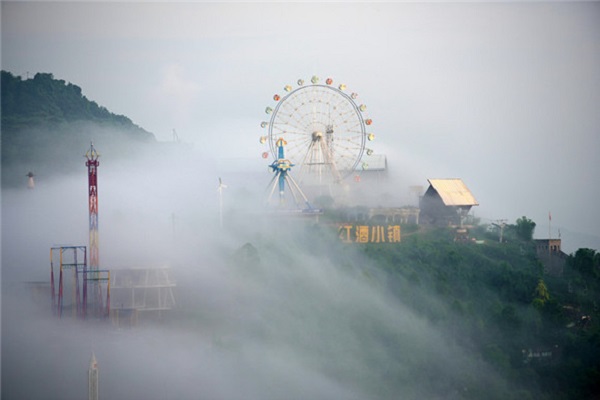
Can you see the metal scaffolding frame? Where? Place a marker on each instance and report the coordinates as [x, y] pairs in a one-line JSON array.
[[148, 290], [63, 258]]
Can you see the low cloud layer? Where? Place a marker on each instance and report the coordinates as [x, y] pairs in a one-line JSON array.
[[263, 311]]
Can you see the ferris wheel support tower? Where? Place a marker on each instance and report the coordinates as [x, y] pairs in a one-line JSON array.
[[281, 167]]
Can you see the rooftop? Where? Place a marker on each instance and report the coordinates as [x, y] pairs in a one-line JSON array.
[[453, 192]]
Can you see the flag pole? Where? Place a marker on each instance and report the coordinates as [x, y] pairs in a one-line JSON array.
[[549, 241]]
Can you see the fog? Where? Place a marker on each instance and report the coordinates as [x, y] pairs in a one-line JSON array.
[[262, 311], [500, 94]]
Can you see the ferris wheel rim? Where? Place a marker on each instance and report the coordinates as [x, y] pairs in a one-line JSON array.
[[360, 136]]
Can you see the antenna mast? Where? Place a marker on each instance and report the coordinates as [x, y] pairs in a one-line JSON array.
[[501, 223]]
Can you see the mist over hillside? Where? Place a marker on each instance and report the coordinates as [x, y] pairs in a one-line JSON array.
[[46, 123], [267, 307], [272, 306]]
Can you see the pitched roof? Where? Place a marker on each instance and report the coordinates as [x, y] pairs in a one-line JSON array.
[[453, 192]]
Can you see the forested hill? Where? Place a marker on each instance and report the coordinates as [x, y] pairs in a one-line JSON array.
[[47, 124], [490, 299]]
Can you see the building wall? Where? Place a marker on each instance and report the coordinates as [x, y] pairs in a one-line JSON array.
[[435, 212], [551, 256], [542, 245]]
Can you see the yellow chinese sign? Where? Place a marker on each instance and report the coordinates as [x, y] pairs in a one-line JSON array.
[[369, 233]]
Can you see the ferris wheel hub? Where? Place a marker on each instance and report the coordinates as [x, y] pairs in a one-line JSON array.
[[316, 136]]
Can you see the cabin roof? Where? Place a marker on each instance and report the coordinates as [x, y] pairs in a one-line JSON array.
[[453, 192]]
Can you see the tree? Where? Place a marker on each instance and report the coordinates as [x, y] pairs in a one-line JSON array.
[[525, 228], [246, 256], [541, 294], [587, 262]]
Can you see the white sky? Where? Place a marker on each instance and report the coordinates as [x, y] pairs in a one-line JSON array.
[[502, 95]]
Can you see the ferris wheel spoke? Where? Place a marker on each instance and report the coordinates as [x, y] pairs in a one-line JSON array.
[[289, 132], [347, 115], [302, 135], [346, 151], [291, 120], [296, 148]]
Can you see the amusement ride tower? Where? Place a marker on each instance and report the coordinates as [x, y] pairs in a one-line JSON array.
[[93, 275], [75, 259], [92, 163]]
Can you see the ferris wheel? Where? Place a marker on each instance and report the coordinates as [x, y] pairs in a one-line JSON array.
[[324, 127]]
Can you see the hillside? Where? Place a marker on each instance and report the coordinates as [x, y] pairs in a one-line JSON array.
[[540, 332], [461, 320], [47, 124]]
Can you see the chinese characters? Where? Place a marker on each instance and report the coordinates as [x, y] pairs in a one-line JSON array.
[[369, 233]]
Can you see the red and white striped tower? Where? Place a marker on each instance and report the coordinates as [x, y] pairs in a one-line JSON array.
[[92, 163]]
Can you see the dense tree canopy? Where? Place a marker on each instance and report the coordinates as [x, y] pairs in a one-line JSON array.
[[587, 262], [44, 99], [525, 228]]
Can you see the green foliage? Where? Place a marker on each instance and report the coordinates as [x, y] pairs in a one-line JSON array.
[[541, 295], [496, 356], [587, 262], [493, 300], [525, 228], [44, 99], [48, 124]]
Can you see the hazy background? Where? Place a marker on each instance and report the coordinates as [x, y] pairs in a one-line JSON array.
[[503, 95]]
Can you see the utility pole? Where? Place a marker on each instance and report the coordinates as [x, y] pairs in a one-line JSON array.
[[501, 223], [220, 190]]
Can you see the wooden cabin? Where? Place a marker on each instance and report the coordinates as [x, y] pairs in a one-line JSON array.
[[446, 202]]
